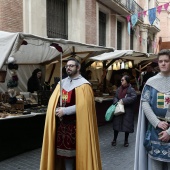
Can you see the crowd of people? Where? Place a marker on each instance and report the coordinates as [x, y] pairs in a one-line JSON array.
[[71, 126]]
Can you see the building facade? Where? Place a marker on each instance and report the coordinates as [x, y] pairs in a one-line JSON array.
[[99, 22], [164, 34]]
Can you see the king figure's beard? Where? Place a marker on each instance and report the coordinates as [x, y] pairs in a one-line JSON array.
[[71, 73]]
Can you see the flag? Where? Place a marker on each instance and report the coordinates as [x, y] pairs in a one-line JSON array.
[[159, 9], [144, 13], [129, 27], [128, 18], [166, 6], [134, 19], [152, 15]]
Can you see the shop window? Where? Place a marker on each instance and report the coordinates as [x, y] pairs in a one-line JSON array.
[[119, 35], [57, 19], [102, 29]]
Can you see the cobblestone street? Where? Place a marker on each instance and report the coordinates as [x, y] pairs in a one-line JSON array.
[[113, 158]]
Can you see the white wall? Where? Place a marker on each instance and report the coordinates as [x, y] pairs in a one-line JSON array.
[[34, 17], [76, 20]]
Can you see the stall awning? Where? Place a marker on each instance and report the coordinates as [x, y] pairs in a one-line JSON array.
[[127, 54], [31, 49]]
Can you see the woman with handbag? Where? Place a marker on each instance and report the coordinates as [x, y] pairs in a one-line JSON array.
[[127, 96]]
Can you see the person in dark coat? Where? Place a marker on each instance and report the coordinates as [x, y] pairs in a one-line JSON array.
[[34, 82], [124, 122], [57, 79], [149, 73]]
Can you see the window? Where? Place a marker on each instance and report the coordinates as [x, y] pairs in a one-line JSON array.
[[119, 35], [131, 39], [57, 19], [102, 29], [149, 41]]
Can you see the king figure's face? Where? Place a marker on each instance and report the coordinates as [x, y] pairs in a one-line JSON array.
[[72, 69]]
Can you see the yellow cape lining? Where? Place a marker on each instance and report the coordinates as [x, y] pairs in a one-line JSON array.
[[87, 142]]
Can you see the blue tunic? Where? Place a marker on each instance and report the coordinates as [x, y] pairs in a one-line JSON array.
[[160, 150]]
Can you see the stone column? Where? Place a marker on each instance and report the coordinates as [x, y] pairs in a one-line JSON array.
[[144, 36]]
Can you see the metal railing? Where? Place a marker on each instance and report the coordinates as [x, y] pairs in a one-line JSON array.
[[157, 23], [131, 6]]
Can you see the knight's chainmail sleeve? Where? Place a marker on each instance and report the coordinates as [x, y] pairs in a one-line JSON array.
[[145, 98], [150, 114], [162, 84]]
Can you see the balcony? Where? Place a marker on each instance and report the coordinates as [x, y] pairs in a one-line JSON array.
[[131, 6], [123, 7], [156, 26]]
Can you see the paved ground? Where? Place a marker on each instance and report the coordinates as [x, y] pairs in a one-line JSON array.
[[113, 158]]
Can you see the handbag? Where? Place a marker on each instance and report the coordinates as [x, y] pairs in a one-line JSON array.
[[119, 109], [110, 112], [147, 142]]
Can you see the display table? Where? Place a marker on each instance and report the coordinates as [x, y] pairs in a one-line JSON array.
[[20, 134], [102, 104]]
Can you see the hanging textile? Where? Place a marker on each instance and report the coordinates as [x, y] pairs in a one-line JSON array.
[[128, 18], [166, 6], [134, 19], [152, 15], [129, 28], [144, 13], [159, 9]]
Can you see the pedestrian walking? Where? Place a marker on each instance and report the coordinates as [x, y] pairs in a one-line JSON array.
[[125, 122]]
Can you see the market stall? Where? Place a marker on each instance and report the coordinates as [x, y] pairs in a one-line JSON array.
[[112, 66], [122, 61], [22, 122], [30, 51]]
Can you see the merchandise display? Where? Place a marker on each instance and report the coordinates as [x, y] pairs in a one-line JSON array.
[[22, 106]]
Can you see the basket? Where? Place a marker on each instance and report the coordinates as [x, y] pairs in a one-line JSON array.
[[2, 75]]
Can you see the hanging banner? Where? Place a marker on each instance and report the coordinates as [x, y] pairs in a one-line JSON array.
[[134, 19], [129, 27], [144, 13], [152, 15], [166, 6], [128, 18], [139, 14], [159, 9]]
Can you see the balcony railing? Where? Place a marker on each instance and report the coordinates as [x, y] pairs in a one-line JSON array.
[[157, 23], [131, 6]]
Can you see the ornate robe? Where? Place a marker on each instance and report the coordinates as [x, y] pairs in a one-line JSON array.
[[87, 142]]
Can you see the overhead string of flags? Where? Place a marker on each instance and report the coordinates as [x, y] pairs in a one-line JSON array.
[[132, 20]]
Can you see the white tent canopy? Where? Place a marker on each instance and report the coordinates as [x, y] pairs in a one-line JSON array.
[[37, 51], [126, 54]]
